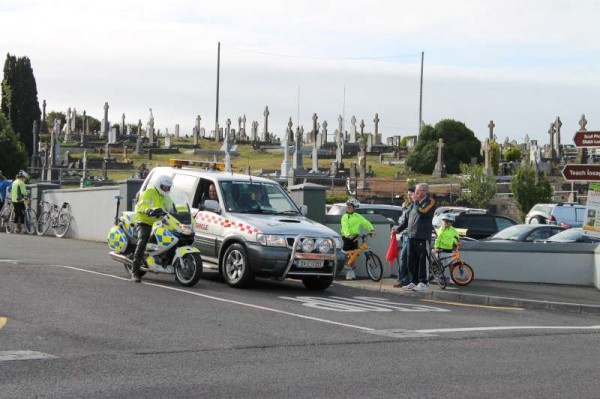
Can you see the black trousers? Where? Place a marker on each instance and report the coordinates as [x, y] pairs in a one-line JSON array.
[[19, 212], [417, 260], [143, 235]]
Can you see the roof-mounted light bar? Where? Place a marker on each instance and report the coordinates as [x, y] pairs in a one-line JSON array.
[[210, 165]]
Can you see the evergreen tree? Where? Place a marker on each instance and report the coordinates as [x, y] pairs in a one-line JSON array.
[[12, 152], [19, 98], [460, 145], [529, 190], [477, 187]]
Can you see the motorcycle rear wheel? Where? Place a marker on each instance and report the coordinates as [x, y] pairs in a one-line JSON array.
[[188, 269]]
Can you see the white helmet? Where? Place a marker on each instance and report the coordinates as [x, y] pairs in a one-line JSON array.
[[163, 184], [23, 174], [449, 217], [354, 202]]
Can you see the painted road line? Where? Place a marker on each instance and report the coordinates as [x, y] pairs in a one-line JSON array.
[[471, 305], [249, 305], [359, 304], [24, 355], [503, 328], [3, 321], [11, 261]]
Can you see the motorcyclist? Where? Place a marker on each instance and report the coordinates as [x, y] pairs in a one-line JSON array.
[[152, 202]]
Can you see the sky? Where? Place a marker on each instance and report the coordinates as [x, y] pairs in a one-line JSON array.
[[520, 63]]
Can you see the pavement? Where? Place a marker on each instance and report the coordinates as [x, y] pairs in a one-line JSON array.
[[554, 297]]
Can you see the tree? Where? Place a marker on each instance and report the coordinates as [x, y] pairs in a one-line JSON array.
[[13, 156], [495, 153], [19, 98], [512, 154], [52, 115], [528, 189], [460, 145], [477, 187]]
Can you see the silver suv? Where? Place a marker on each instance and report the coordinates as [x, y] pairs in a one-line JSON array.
[[561, 214]]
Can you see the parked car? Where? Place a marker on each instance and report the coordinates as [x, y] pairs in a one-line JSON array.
[[387, 211], [569, 236], [481, 223], [526, 233], [437, 216], [561, 214]]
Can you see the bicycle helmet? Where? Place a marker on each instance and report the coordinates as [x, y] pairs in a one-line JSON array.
[[354, 202], [449, 217], [163, 184], [23, 174]]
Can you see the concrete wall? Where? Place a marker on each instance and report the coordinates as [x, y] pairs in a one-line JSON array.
[[576, 263], [92, 210]]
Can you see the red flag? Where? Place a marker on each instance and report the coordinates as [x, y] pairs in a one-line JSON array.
[[392, 252]]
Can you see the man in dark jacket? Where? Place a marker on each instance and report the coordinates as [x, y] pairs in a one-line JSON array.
[[418, 226]]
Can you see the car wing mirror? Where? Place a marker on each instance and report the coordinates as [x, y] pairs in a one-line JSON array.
[[212, 206], [304, 210]]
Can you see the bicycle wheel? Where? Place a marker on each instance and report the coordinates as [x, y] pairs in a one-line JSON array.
[[462, 274], [374, 266], [30, 221], [10, 225], [437, 272], [62, 224], [43, 223], [4, 216]]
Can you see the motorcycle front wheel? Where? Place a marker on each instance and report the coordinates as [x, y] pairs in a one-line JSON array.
[[189, 269]]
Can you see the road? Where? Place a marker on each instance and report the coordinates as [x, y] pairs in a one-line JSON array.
[[73, 326]]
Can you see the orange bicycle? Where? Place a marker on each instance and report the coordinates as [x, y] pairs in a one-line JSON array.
[[374, 265], [460, 272]]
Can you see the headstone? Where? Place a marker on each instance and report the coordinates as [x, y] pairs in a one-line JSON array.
[[323, 140], [243, 132], [370, 139], [74, 121], [315, 154], [139, 129], [167, 140], [485, 149], [177, 131], [558, 125], [105, 124], [582, 123], [551, 152], [254, 133], [362, 163], [440, 168], [68, 126], [197, 130], [340, 126], [315, 129], [582, 153], [377, 135], [297, 148], [352, 138], [491, 126], [139, 145], [226, 140], [290, 132], [84, 170], [339, 149], [150, 128], [265, 136], [86, 128], [123, 126], [239, 131], [112, 136], [362, 128]]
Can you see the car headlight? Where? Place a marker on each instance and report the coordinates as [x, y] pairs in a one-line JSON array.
[[324, 245], [271, 240], [308, 245], [339, 244]]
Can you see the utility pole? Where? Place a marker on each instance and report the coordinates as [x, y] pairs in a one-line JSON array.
[[421, 95], [218, 77]]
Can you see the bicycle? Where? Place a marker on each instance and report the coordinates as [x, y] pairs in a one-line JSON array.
[[461, 272], [5, 213], [29, 218], [57, 217], [374, 265]]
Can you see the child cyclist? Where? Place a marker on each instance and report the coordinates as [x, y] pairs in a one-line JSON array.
[[447, 238], [351, 224]]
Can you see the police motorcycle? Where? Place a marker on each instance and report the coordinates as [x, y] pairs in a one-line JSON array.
[[169, 249]]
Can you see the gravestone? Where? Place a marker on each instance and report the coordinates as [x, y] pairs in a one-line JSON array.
[[297, 148], [167, 140], [362, 163], [139, 128], [74, 121], [370, 139], [558, 125], [177, 131], [491, 126], [254, 132], [150, 128], [86, 127], [139, 145], [243, 130], [313, 133], [339, 149], [582, 153], [362, 128], [68, 126], [377, 135], [197, 130], [352, 138], [323, 140], [485, 149], [265, 136], [285, 164], [315, 155], [440, 168], [105, 124], [340, 126], [552, 151], [225, 146], [123, 125]]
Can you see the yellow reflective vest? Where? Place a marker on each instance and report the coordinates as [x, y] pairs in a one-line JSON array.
[[150, 199]]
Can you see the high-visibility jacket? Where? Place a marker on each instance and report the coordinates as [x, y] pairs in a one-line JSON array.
[[150, 199], [351, 223], [18, 190], [447, 237]]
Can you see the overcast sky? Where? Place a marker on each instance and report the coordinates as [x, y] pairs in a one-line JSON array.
[[520, 63]]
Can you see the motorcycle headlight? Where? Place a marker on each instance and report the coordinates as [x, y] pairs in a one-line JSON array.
[[324, 245], [271, 240], [186, 229], [308, 245]]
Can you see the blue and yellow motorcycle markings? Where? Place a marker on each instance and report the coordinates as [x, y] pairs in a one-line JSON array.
[[117, 239]]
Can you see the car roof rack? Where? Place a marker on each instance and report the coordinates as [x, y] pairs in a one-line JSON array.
[[209, 165]]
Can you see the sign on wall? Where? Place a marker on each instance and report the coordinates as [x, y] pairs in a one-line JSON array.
[[591, 223]]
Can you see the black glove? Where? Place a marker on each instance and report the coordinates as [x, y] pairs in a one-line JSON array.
[[156, 212]]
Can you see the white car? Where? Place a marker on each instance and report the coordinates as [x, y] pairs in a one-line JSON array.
[[387, 211]]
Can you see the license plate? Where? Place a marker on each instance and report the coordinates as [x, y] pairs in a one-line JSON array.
[[310, 264]]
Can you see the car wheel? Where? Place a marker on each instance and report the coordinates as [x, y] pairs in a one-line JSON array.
[[236, 268], [537, 220]]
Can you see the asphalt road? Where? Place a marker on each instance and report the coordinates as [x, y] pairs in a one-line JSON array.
[[73, 326]]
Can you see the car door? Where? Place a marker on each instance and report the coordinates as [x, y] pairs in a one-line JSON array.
[[206, 222]]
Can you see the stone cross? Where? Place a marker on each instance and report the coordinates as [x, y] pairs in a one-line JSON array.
[[315, 129], [123, 131], [297, 148], [339, 147], [290, 133], [323, 134], [362, 163], [285, 164], [86, 128], [376, 121], [491, 126], [551, 132], [440, 168], [558, 125], [362, 127], [105, 126], [74, 121], [352, 137], [227, 131], [582, 123], [139, 126], [244, 125], [68, 126], [150, 128], [266, 128], [485, 149], [197, 130], [340, 123], [177, 130], [254, 131], [239, 124]]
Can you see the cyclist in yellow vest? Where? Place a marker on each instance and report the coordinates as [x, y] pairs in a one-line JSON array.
[[151, 202], [19, 196], [351, 224]]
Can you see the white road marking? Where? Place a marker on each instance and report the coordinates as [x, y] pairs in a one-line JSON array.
[[11, 261], [360, 304], [24, 355], [225, 300], [500, 328]]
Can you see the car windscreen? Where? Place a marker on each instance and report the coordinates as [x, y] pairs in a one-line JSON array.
[[513, 233], [569, 234], [257, 197]]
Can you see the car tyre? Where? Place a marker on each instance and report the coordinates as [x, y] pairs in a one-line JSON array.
[[236, 268], [537, 220]]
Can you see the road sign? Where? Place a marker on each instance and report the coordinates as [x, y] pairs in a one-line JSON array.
[[581, 172], [587, 139]]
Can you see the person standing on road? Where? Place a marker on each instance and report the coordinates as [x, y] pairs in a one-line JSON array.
[[351, 224], [403, 276], [419, 227], [4, 184], [19, 196], [152, 201]]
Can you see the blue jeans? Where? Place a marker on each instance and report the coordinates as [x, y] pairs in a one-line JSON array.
[[403, 277]]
